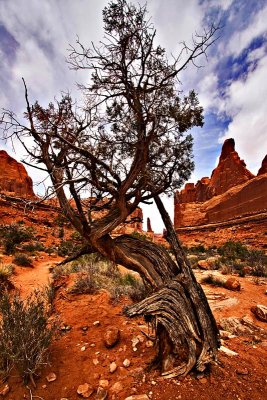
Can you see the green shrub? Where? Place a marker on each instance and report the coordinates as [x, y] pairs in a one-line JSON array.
[[13, 235], [22, 260], [33, 246], [25, 334], [66, 248], [233, 250]]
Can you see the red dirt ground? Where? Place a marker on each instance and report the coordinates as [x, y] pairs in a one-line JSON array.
[[241, 377]]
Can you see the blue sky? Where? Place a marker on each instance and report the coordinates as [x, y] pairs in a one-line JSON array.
[[232, 84]]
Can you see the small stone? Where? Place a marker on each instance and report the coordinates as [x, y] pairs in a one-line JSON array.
[[203, 380], [85, 390], [126, 363], [96, 323], [112, 367], [85, 328], [153, 383], [104, 383], [242, 371], [101, 394], [95, 361], [96, 376], [5, 390], [116, 388], [138, 397], [228, 351], [149, 343], [44, 386], [83, 348], [135, 341], [111, 336], [51, 377]]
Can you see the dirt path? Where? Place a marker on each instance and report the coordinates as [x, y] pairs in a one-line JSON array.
[[28, 279]]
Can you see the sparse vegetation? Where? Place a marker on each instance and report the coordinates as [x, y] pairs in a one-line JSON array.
[[25, 334], [212, 280], [13, 235], [6, 270], [66, 248], [23, 260]]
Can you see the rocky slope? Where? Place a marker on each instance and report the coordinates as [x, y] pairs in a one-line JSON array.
[[233, 196], [13, 177]]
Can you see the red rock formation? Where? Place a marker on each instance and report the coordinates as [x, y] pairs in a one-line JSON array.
[[231, 193], [13, 177], [263, 168]]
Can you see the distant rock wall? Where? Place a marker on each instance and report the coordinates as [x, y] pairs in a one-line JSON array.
[[14, 178], [231, 192]]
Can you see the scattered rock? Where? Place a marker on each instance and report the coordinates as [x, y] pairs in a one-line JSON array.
[[85, 390], [228, 351], [116, 388], [135, 342], [232, 284], [242, 371], [96, 323], [126, 363], [260, 312], [5, 390], [111, 336], [83, 348], [104, 383], [225, 335], [138, 397], [51, 377], [239, 326], [95, 361], [85, 328], [101, 394], [112, 367], [149, 343]]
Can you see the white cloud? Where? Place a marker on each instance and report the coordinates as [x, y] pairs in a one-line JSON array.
[[242, 39], [246, 103]]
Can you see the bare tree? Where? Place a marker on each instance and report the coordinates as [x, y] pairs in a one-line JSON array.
[[124, 147]]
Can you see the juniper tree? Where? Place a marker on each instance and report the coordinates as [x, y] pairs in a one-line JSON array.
[[126, 146]]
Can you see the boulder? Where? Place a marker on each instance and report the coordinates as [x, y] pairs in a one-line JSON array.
[[232, 284], [111, 336], [260, 312]]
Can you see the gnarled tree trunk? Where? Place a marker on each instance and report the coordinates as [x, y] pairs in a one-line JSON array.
[[186, 332]]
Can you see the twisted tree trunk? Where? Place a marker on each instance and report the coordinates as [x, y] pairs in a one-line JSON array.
[[186, 332]]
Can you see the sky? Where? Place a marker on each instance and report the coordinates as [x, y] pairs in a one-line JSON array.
[[231, 84]]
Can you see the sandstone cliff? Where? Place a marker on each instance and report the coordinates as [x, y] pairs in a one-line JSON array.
[[14, 178], [231, 194]]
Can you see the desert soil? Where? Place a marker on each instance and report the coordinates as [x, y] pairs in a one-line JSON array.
[[78, 355]]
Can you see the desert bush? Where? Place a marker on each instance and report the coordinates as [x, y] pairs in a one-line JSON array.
[[233, 250], [25, 333], [33, 246], [85, 284], [200, 248], [13, 235], [212, 280], [66, 248], [258, 262], [22, 260], [6, 270]]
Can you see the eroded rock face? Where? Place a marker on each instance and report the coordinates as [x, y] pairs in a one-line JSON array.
[[13, 177], [231, 192], [263, 168]]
